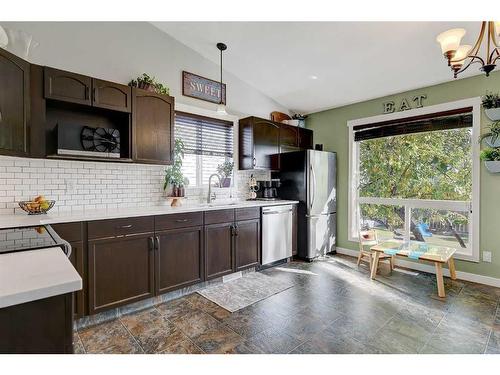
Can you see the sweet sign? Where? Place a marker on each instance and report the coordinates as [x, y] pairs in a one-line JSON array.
[[202, 88]]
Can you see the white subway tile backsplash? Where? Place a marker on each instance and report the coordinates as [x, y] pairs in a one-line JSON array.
[[89, 185]]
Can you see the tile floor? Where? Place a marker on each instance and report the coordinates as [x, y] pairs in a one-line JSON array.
[[333, 308]]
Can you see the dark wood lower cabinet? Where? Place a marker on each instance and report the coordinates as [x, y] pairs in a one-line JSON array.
[[179, 258], [247, 244], [120, 271], [219, 254], [44, 326]]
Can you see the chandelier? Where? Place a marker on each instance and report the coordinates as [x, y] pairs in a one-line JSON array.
[[460, 57]]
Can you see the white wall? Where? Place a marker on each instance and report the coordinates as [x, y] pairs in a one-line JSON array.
[[120, 51]]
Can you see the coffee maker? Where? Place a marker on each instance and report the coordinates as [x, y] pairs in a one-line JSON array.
[[268, 189]]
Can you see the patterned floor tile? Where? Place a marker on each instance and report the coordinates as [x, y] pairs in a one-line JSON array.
[[204, 304], [273, 342], [109, 338], [219, 340], [195, 323], [183, 347], [153, 332], [176, 308]]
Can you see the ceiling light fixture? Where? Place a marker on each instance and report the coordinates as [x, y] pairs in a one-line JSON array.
[[457, 55], [221, 107]]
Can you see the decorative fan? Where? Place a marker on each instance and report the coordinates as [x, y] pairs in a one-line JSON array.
[[100, 139]]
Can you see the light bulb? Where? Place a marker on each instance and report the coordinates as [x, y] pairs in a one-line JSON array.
[[450, 40], [460, 55]]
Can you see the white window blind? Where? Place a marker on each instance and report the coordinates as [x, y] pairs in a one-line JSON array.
[[208, 142], [204, 135]]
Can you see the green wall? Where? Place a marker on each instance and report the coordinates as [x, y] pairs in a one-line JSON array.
[[330, 128]]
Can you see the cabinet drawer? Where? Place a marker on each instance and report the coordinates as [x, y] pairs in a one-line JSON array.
[[184, 220], [219, 216], [71, 232], [247, 213], [120, 227]]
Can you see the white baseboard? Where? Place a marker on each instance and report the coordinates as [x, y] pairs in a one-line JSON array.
[[480, 279]]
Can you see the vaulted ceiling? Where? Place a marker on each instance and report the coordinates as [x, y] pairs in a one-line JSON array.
[[310, 66]]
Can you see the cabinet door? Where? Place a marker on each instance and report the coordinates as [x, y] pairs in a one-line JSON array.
[[14, 104], [120, 271], [77, 258], [289, 136], [247, 244], [219, 255], [111, 95], [153, 127], [266, 135], [179, 258], [67, 86], [305, 138]]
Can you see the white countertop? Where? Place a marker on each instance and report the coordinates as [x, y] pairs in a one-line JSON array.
[[25, 220], [32, 275]]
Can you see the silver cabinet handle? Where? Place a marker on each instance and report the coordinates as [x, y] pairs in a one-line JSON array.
[[151, 244], [157, 238], [125, 226], [181, 220]]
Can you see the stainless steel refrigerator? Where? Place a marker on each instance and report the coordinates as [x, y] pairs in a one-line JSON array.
[[310, 177]]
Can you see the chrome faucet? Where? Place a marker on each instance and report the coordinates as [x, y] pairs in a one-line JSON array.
[[211, 196]]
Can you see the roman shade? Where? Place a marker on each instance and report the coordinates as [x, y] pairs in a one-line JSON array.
[[461, 118], [204, 135]]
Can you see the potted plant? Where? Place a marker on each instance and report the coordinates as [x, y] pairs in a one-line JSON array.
[[225, 171], [491, 158], [492, 138], [149, 83], [174, 179], [491, 105]]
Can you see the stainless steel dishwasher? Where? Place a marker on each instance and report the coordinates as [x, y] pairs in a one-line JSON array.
[[276, 233]]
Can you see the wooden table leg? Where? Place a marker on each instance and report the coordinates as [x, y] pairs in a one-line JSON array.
[[439, 279], [451, 266], [375, 265]]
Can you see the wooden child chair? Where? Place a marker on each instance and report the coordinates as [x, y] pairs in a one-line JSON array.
[[369, 238]]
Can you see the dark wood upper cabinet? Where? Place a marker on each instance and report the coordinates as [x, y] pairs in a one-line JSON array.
[[110, 95], [247, 244], [152, 127], [305, 138], [67, 86], [179, 258], [14, 104], [121, 271], [258, 139], [219, 254], [289, 136]]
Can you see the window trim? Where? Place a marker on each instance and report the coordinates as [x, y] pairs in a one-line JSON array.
[[186, 108], [353, 198]]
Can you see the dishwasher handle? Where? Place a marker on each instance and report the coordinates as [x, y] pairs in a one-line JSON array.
[[276, 212]]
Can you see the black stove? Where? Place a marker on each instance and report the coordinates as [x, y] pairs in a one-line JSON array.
[[30, 238]]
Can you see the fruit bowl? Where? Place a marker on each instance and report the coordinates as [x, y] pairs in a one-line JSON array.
[[36, 208]]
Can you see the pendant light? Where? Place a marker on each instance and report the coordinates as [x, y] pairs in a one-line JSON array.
[[221, 107], [460, 57]]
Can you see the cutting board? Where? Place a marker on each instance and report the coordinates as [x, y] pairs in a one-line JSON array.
[[279, 116]]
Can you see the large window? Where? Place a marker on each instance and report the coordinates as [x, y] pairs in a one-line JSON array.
[[415, 178], [208, 142]]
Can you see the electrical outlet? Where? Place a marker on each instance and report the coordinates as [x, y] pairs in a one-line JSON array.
[[487, 256]]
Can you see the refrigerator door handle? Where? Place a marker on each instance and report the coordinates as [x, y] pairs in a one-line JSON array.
[[313, 187]]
